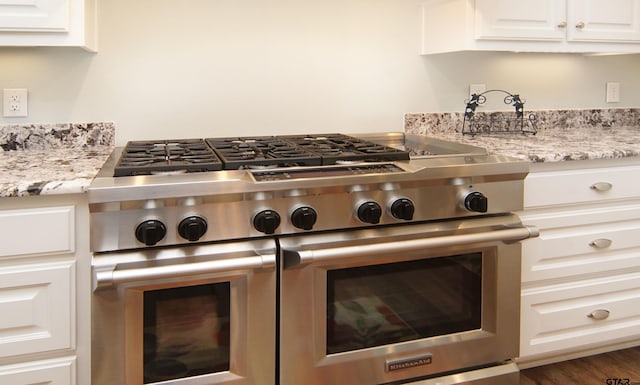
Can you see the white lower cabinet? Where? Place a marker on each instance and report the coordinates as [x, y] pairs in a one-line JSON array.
[[573, 315], [50, 372], [36, 304], [45, 333], [581, 276]]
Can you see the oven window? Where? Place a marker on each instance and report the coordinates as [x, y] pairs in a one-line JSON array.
[[186, 331], [384, 304]]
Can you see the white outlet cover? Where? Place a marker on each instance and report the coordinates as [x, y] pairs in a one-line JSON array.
[[613, 92], [15, 102]]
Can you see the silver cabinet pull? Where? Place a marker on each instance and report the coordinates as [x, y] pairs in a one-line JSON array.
[[599, 314], [601, 243], [562, 24], [580, 25], [601, 186]]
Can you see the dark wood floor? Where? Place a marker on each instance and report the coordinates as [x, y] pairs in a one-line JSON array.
[[601, 369]]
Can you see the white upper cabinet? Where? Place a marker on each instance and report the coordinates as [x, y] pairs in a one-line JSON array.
[[519, 20], [48, 23], [604, 20], [23, 15], [589, 26]]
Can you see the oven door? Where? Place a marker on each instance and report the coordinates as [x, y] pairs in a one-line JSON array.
[[400, 304], [190, 316]]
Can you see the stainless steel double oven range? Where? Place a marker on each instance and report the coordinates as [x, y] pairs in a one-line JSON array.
[[317, 260]]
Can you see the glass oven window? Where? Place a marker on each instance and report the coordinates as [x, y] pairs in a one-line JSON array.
[[389, 303], [186, 331]]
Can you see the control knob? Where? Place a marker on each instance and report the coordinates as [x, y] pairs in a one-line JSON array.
[[403, 208], [150, 232], [370, 212], [304, 217], [192, 228], [266, 221], [476, 202]]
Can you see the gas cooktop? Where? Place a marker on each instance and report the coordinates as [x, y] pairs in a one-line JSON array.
[[217, 189], [262, 152]]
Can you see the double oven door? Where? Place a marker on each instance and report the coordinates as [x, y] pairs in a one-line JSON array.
[[195, 315], [402, 304]]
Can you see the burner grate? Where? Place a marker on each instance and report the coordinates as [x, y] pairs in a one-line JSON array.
[[166, 156], [261, 152], [339, 148]]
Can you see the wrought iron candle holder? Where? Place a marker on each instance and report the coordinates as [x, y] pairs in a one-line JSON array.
[[497, 123]]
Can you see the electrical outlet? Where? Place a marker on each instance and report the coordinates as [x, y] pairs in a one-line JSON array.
[[613, 92], [476, 89], [15, 102]]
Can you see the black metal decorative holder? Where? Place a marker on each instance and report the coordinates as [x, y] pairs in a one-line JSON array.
[[497, 123]]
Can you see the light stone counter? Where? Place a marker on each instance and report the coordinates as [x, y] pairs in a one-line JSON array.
[[561, 136], [52, 158]]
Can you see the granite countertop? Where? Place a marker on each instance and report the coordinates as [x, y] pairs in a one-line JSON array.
[[558, 144], [52, 158], [562, 135]]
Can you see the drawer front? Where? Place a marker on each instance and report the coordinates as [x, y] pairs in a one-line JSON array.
[[47, 230], [581, 186], [578, 242], [37, 304], [581, 242], [564, 317], [51, 372]]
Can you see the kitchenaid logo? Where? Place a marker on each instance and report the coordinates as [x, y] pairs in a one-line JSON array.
[[408, 363]]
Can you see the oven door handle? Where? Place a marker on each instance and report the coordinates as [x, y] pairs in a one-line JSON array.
[[111, 276], [299, 258]]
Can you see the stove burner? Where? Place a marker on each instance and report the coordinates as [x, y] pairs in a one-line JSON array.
[[338, 149], [167, 156], [196, 155], [261, 152]]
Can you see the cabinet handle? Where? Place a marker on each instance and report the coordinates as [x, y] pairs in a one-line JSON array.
[[562, 24], [580, 25], [602, 186], [601, 243], [599, 314]]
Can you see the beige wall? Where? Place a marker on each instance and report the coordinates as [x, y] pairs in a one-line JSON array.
[[169, 68]]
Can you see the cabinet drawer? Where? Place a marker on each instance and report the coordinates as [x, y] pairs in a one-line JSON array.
[[580, 242], [580, 186], [589, 312], [36, 304], [51, 372], [47, 230]]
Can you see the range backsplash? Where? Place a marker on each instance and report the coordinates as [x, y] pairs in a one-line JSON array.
[[425, 123]]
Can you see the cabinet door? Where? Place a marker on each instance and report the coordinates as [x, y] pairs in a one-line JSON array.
[[36, 308], [51, 372], [34, 15], [604, 20], [63, 23], [581, 186], [44, 230], [581, 242], [563, 317], [520, 20]]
